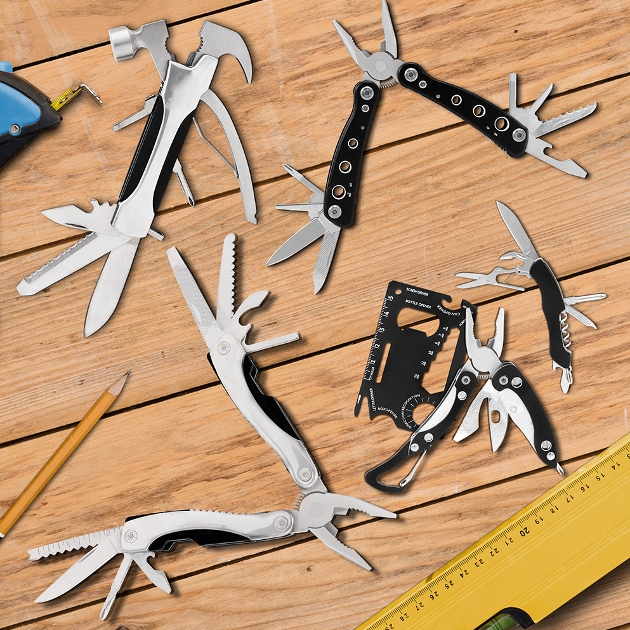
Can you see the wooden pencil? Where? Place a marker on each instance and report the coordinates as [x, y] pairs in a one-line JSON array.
[[62, 453]]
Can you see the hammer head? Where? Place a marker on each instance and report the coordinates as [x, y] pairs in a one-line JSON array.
[[125, 43], [217, 41]]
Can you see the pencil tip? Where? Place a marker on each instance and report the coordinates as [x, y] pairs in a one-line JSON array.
[[115, 389]]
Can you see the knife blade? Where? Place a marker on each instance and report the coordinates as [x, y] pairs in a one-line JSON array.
[[109, 286], [517, 231], [296, 243], [80, 570]]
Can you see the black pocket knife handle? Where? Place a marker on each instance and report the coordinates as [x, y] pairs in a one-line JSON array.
[[429, 432], [508, 376], [504, 130], [553, 307], [340, 197]]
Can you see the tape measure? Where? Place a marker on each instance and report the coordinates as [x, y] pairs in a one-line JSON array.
[[534, 562]]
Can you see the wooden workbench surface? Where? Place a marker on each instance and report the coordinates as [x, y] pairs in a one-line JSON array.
[[174, 440]]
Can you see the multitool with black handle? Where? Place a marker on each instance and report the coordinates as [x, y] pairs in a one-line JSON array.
[[517, 132]]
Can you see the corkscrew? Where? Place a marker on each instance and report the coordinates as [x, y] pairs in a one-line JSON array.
[[556, 307]]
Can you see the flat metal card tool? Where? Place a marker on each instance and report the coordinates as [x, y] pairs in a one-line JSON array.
[[517, 132], [408, 354], [531, 564], [116, 230]]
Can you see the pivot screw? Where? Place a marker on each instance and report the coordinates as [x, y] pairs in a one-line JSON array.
[[551, 456], [411, 74], [519, 135], [503, 380], [462, 395], [414, 448], [334, 212], [14, 129], [281, 523], [365, 108], [465, 380], [422, 84], [367, 92], [517, 381], [224, 347], [546, 445], [428, 437], [306, 474], [131, 536]]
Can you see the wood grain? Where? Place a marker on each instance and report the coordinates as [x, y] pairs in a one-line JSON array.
[[174, 440]]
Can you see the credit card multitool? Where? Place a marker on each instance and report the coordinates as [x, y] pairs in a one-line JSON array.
[[556, 307], [116, 230], [517, 132], [315, 508]]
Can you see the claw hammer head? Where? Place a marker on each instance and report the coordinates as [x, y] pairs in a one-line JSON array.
[[125, 43], [217, 41]]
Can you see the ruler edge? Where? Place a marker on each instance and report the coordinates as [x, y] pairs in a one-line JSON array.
[[439, 574]]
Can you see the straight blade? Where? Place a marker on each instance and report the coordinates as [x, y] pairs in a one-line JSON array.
[[79, 571], [301, 239], [517, 231], [194, 298], [82, 253], [225, 297], [109, 286]]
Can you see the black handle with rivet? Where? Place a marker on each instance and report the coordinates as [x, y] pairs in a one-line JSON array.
[[542, 438], [504, 130], [342, 187], [430, 431]]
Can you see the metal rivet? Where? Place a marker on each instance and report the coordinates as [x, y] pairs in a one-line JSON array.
[[334, 212], [546, 445], [462, 395], [131, 536], [224, 347], [411, 74], [517, 381], [14, 129], [414, 447], [465, 380], [422, 84], [306, 474], [428, 437], [503, 380], [367, 92], [513, 409], [551, 456], [281, 523], [365, 108], [519, 135]]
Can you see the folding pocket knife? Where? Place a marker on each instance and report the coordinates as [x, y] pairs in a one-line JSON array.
[[518, 132], [508, 393], [116, 230], [556, 307], [315, 508]]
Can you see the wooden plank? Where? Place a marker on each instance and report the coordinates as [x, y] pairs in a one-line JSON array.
[[305, 586], [300, 98], [196, 451], [35, 31], [441, 219]]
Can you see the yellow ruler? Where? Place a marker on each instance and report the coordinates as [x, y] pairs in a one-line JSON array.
[[529, 566]]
